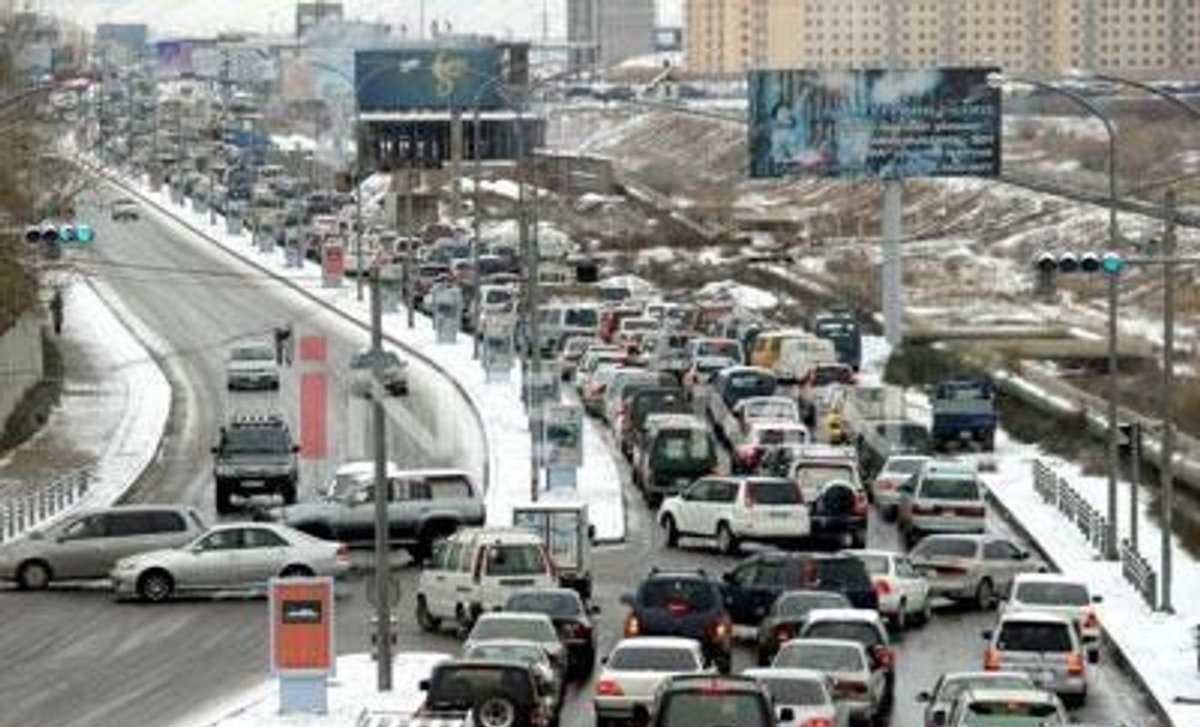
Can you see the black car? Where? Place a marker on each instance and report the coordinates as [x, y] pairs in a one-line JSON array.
[[644, 401], [482, 692], [751, 588], [787, 616], [705, 700], [571, 617], [682, 603]]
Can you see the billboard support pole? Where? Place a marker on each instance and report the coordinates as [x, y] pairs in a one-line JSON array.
[[893, 210], [475, 214], [383, 615], [456, 155]]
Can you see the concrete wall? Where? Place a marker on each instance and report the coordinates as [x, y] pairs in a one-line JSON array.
[[20, 361]]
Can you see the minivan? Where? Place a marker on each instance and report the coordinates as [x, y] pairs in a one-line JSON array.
[[87, 544], [476, 570]]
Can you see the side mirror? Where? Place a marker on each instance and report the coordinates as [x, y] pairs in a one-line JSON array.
[[1097, 598], [214, 450], [603, 660], [592, 533], [295, 448], [423, 685], [924, 697], [787, 714], [1093, 656], [1023, 555], [986, 634], [939, 718], [627, 599], [594, 609]]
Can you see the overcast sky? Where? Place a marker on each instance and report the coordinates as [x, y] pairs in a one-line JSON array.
[[505, 18]]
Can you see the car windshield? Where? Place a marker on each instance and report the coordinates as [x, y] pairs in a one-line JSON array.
[[782, 437], [650, 658], [773, 492], [905, 435], [257, 439], [515, 560], [842, 573], [550, 603], [945, 488], [1011, 713], [860, 631], [522, 629], [797, 605], [681, 594], [722, 349], [715, 708], [951, 688], [683, 445], [1037, 636], [826, 375], [639, 324], [751, 383], [795, 692], [253, 353], [581, 317], [459, 687], [945, 548], [525, 654], [822, 657], [1053, 594]]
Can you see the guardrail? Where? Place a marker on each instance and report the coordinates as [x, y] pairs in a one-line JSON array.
[[1140, 574], [25, 512], [1055, 490]]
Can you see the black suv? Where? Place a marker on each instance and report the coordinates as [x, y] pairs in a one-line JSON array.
[[255, 456], [704, 700], [500, 693], [682, 603], [752, 586]]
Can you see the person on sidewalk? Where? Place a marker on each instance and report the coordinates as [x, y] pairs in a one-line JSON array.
[[284, 345], [56, 311]]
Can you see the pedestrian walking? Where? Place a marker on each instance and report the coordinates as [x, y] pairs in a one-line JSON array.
[[56, 312], [284, 345]]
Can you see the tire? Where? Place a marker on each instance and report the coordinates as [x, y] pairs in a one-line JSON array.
[[672, 531], [890, 513], [1074, 701], [926, 614], [495, 710], [426, 620], [724, 663], [899, 621], [727, 542], [985, 595], [155, 586], [297, 571], [224, 497], [34, 575], [288, 492]]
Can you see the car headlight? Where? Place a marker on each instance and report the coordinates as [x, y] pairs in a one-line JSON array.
[[124, 566]]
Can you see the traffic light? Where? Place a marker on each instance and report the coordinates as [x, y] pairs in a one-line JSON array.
[[52, 237], [1109, 263]]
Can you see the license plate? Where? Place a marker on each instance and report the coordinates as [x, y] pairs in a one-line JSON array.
[[252, 484], [780, 515]]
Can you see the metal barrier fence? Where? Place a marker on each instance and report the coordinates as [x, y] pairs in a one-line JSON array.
[[1057, 491], [1138, 571], [25, 512]]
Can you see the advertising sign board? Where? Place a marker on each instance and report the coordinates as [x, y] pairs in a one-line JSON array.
[[447, 312], [562, 430], [428, 78], [333, 265], [302, 625], [938, 122], [498, 349]]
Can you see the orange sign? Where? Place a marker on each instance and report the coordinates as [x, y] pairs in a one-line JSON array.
[[302, 625]]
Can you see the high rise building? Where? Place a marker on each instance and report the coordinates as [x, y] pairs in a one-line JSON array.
[[603, 33], [1144, 38]]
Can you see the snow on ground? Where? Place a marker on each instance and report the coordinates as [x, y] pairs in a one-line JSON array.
[[351, 693], [499, 404], [743, 296]]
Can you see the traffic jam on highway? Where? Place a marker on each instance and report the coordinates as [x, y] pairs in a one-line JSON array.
[[835, 520]]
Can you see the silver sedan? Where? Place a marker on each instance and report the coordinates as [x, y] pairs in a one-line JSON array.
[[229, 557]]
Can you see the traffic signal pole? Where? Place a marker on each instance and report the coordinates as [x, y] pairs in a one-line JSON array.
[[383, 615]]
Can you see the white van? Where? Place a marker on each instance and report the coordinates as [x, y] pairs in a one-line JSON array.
[[801, 354], [476, 570], [561, 320]]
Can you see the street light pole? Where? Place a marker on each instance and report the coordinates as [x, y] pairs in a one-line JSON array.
[[1166, 467], [383, 616], [475, 276]]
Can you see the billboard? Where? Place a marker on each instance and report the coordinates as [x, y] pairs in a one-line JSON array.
[[132, 35], [302, 623], [428, 78], [942, 122]]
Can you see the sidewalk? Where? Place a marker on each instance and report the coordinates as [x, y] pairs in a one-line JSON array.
[[498, 404], [112, 413]]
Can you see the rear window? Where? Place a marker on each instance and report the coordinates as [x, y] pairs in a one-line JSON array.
[[822, 657], [948, 548], [1034, 636], [780, 492], [817, 476], [752, 382], [951, 688], [581, 317], [459, 687], [904, 466], [653, 659], [253, 353], [795, 691], [665, 592], [798, 605], [552, 604], [949, 489], [515, 560], [844, 574], [683, 445], [513, 628], [782, 437], [715, 708], [863, 633], [1053, 594], [1035, 713]]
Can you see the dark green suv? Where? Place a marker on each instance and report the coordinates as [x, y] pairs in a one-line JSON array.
[[255, 456], [708, 700]]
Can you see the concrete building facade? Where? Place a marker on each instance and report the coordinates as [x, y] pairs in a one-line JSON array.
[[602, 33], [1143, 38]]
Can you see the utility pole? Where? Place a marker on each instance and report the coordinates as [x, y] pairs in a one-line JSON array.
[[893, 210], [1168, 411], [478, 213], [383, 616], [409, 232]]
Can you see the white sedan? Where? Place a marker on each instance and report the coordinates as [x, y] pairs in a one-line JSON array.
[[903, 592], [802, 697], [635, 669], [233, 556]]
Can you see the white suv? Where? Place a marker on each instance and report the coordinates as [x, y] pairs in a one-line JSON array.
[[736, 510], [1057, 593]]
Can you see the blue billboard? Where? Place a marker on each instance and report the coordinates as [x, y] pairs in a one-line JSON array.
[[942, 122], [405, 79]]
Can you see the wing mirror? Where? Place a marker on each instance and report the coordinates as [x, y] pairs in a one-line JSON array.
[[423, 685], [924, 697], [594, 609], [1097, 598], [295, 448], [214, 450], [787, 714], [1093, 656], [986, 634], [627, 599], [1023, 555]]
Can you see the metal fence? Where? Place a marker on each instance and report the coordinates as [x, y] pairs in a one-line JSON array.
[[1057, 491], [25, 512], [1138, 571]]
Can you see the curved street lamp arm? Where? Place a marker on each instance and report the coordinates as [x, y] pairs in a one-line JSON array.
[[1176, 101]]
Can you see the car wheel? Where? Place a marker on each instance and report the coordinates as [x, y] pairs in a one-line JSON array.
[[224, 506], [1074, 701], [424, 618], [900, 618], [297, 571], [672, 531], [726, 541], [155, 586], [288, 492], [926, 614], [724, 663], [496, 710], [985, 595], [890, 513], [34, 575]]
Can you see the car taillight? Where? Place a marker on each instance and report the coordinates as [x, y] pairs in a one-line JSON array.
[[784, 632], [817, 722], [748, 454], [343, 553], [860, 503], [991, 659], [632, 627], [884, 656], [576, 631], [882, 587], [721, 629], [608, 688], [1075, 663], [972, 511], [1090, 619]]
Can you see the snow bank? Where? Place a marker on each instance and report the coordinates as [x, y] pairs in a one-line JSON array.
[[743, 296]]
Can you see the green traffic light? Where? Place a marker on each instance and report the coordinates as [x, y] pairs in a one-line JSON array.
[[1112, 264], [84, 233]]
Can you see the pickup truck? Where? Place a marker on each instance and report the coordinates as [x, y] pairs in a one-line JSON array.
[[964, 411], [731, 386], [424, 506]]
